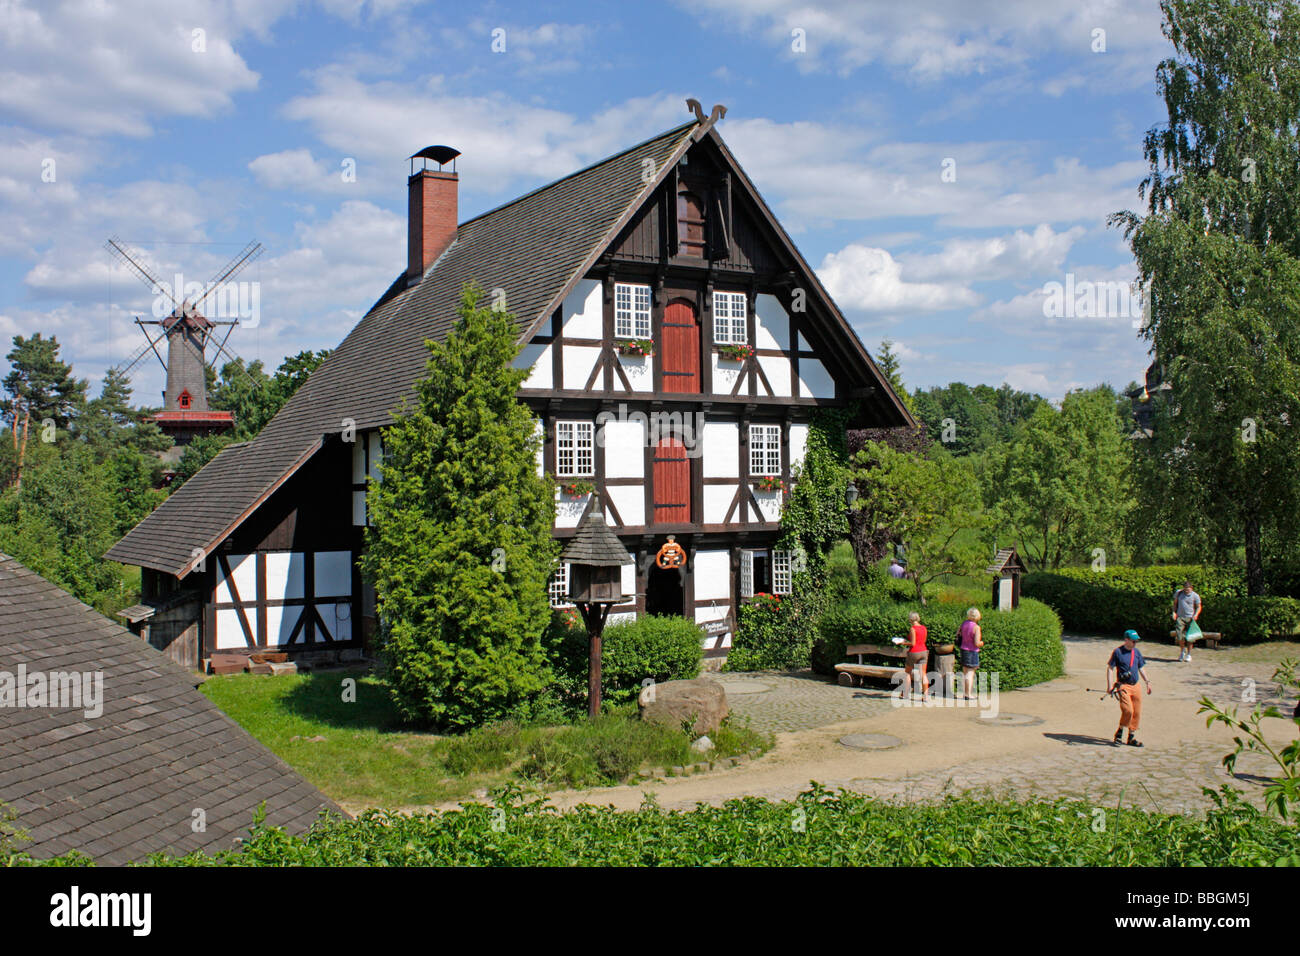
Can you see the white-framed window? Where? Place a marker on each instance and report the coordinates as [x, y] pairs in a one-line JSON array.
[[782, 576], [764, 450], [729, 309], [558, 588], [575, 455], [746, 574], [631, 311]]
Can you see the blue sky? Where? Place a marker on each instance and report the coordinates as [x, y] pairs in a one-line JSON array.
[[188, 145]]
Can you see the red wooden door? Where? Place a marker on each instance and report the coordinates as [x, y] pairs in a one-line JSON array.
[[672, 482], [681, 349]]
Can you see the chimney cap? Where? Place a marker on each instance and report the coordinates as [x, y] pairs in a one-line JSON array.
[[439, 154]]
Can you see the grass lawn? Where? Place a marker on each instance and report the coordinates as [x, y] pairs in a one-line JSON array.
[[367, 757]]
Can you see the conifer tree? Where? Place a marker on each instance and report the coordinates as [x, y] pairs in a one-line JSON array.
[[460, 548]]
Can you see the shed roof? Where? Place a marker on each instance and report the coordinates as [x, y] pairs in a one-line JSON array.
[[125, 783]]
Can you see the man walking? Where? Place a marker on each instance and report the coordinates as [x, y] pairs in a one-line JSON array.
[[1187, 608], [1127, 662]]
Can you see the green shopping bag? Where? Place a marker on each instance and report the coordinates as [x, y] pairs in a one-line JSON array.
[[1193, 632]]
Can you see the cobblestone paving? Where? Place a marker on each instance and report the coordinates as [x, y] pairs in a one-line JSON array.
[[1085, 767], [796, 702]]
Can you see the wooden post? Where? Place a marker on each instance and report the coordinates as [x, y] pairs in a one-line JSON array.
[[593, 615]]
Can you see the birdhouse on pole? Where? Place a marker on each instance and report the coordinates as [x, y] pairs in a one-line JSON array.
[[596, 558], [1006, 570]]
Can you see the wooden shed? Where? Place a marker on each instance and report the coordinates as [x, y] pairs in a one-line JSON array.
[[1006, 570]]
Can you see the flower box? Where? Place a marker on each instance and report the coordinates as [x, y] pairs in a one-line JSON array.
[[769, 483], [638, 348], [577, 487], [736, 353]]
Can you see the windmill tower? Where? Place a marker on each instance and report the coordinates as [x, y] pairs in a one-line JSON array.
[[186, 333]]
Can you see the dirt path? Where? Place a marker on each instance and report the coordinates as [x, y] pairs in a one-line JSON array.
[[1053, 739]]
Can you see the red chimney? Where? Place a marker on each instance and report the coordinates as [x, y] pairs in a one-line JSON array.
[[431, 224]]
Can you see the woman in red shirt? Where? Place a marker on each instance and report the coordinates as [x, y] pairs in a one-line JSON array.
[[917, 655]]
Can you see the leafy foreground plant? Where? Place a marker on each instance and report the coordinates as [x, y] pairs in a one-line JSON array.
[[818, 828], [1285, 789]]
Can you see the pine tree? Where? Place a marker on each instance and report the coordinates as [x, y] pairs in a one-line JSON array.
[[460, 546], [41, 389]]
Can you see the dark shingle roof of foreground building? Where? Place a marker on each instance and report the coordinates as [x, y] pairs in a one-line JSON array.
[[127, 782]]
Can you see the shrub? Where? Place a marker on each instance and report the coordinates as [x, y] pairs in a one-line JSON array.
[[654, 647], [1023, 646], [764, 639], [1116, 599]]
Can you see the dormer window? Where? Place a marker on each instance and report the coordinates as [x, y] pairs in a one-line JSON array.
[[185, 401], [690, 225]]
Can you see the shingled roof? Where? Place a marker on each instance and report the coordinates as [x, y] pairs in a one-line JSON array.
[[534, 248], [596, 544], [125, 783]]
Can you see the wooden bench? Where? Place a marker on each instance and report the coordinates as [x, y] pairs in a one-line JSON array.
[[1208, 638], [852, 675]]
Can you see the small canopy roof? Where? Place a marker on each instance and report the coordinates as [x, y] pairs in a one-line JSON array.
[[1006, 562], [595, 544]]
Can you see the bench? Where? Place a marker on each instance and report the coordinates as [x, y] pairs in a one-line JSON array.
[[1208, 638], [852, 675]]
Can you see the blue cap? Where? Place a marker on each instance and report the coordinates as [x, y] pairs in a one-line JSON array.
[[1132, 635]]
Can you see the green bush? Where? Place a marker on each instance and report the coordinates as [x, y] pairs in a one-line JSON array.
[[654, 647], [1111, 601], [768, 637], [1023, 646], [851, 829]]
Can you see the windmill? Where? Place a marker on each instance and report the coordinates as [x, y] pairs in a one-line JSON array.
[[187, 333]]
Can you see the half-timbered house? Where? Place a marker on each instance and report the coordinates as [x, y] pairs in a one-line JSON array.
[[677, 345]]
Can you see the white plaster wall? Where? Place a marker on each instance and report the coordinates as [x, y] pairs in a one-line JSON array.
[[583, 312], [712, 578], [359, 460], [568, 509], [229, 633], [777, 370], [333, 573], [814, 380], [802, 342], [725, 373], [629, 579], [624, 448], [769, 504], [630, 502], [280, 622], [717, 499], [376, 448], [798, 443], [621, 617], [579, 360], [721, 450], [337, 618], [536, 358], [243, 570], [771, 324], [640, 372], [285, 574], [359, 508]]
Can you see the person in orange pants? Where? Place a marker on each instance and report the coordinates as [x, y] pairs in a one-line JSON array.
[[1127, 663]]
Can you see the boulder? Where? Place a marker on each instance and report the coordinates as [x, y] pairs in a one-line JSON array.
[[699, 703], [702, 746]]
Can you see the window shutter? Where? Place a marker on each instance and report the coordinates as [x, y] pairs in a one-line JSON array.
[[746, 574]]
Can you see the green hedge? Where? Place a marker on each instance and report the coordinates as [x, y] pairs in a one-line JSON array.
[[659, 648], [1111, 601], [1023, 646]]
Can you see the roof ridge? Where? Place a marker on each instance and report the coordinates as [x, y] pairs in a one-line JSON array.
[[578, 172]]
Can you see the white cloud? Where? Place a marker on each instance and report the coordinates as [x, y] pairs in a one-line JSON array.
[[504, 141], [1018, 256], [869, 279], [114, 67], [932, 40]]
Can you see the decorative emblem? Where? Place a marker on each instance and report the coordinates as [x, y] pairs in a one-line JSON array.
[[671, 555]]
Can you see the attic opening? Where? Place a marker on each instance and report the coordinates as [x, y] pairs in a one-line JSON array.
[[690, 224]]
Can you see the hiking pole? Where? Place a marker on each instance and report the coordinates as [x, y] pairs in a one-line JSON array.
[[1104, 693]]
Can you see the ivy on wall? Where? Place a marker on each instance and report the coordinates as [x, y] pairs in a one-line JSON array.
[[813, 520]]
